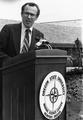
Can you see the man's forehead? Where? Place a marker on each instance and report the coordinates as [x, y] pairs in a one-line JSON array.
[[33, 8]]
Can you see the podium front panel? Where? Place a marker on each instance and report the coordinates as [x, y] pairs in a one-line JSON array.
[[43, 67], [19, 92]]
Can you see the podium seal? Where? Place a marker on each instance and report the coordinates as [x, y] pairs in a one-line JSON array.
[[52, 95]]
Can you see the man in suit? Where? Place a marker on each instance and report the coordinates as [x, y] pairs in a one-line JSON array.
[[12, 35]]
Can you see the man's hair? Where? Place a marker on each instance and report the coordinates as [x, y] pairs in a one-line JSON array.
[[32, 5]]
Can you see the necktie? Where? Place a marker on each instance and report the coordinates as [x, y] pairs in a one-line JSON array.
[[26, 42]]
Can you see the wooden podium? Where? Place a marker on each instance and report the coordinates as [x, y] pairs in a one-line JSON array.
[[22, 77]]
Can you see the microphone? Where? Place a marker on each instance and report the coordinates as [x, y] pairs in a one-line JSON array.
[[43, 44]]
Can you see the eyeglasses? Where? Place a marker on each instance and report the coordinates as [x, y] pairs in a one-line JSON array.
[[29, 14]]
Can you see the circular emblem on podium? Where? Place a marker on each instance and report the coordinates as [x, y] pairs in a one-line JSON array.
[[52, 95]]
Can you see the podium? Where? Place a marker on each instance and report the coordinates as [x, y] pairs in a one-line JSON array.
[[22, 77]]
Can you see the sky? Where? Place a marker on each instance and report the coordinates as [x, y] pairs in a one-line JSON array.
[[51, 10]]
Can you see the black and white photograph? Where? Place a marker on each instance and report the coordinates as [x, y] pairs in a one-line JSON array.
[[41, 60]]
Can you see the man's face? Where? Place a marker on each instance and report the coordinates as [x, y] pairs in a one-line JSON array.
[[29, 15]]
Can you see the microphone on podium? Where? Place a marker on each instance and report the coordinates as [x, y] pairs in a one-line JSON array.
[[43, 44]]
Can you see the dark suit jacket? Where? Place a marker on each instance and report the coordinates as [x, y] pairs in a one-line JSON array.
[[10, 37]]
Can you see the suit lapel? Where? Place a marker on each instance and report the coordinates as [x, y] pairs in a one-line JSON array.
[[17, 37], [36, 36], [33, 40]]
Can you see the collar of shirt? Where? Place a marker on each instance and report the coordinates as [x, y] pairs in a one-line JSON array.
[[24, 28]]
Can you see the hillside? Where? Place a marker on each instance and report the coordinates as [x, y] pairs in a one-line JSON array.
[[56, 31]]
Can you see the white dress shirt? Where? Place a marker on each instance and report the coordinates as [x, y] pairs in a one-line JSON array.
[[23, 29]]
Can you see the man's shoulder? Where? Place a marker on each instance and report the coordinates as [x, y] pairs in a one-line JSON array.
[[38, 34], [13, 25], [8, 27], [37, 31]]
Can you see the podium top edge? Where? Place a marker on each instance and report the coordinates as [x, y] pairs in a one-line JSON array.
[[51, 53], [42, 53]]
